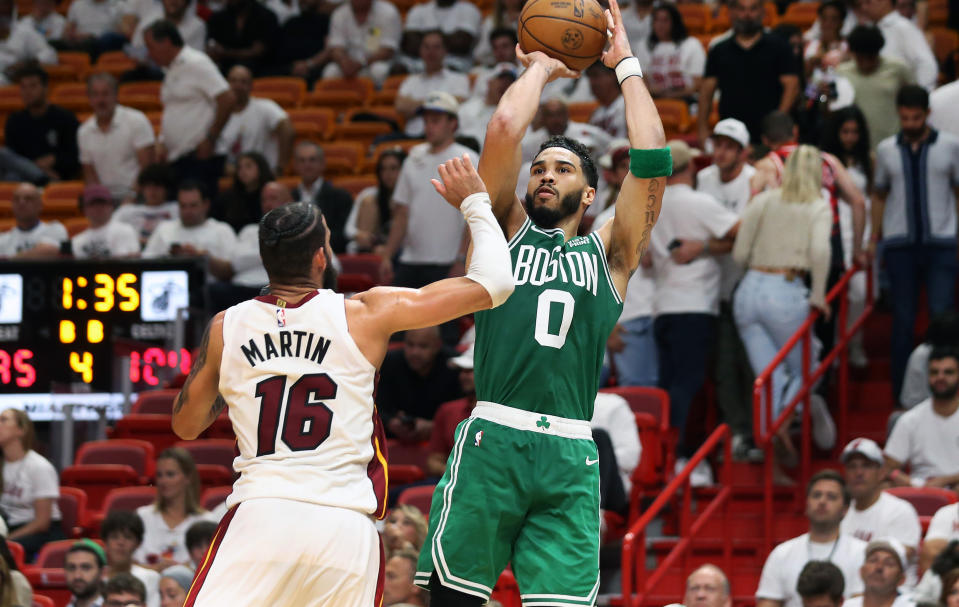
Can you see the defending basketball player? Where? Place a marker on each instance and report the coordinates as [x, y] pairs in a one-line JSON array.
[[296, 369], [522, 482]]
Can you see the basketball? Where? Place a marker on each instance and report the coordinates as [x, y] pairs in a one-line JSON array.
[[573, 31]]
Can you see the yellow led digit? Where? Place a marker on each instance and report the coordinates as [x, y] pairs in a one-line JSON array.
[[131, 295], [104, 293], [82, 364], [67, 293], [68, 332], [94, 331]]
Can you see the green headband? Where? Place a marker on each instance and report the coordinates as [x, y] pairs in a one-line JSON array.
[[95, 548]]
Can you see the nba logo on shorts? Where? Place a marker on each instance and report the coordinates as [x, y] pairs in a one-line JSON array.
[[281, 317], [478, 438]]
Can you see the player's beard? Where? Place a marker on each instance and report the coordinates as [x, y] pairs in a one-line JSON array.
[[546, 217], [329, 276], [944, 393]]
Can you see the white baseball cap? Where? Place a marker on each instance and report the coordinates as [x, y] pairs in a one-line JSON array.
[[891, 545], [864, 447], [439, 101], [734, 129]]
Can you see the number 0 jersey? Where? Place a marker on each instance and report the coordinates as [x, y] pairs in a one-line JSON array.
[[542, 350], [300, 396]]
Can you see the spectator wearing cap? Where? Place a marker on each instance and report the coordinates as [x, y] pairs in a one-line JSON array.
[[631, 344], [875, 79], [459, 23], [450, 414], [707, 586], [427, 229], [610, 115], [692, 230], [924, 437], [875, 513], [364, 36], [124, 590], [174, 585], [475, 112], [727, 180], [197, 102], [122, 533], [83, 567], [905, 42], [826, 503], [153, 204], [882, 573], [103, 238], [309, 164], [30, 237], [434, 78], [116, 142], [821, 584]]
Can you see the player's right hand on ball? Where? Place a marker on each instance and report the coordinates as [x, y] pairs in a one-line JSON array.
[[458, 179], [554, 67]]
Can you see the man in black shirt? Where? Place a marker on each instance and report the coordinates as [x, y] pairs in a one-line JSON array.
[[244, 32], [43, 134], [755, 73], [300, 45], [414, 382]]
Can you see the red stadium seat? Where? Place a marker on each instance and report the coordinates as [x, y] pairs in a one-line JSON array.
[[155, 401], [98, 479], [73, 510], [215, 451], [402, 474], [367, 264], [138, 454], [404, 453], [653, 401], [212, 475], [354, 283], [421, 497], [52, 555], [506, 590], [214, 496], [16, 551], [129, 498], [151, 427], [926, 500]]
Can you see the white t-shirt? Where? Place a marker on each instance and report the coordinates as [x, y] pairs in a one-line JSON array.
[[434, 229], [26, 481], [93, 18], [115, 239], [462, 16], [159, 540], [786, 561], [113, 153], [22, 44], [192, 29], [145, 218], [641, 288], [252, 129], [906, 43], [944, 524], [688, 215], [944, 108], [189, 92], [247, 265], [151, 581], [926, 441], [215, 237], [611, 118], [50, 27], [890, 516], [15, 240], [734, 195], [673, 66], [420, 86], [383, 29], [611, 413], [902, 600], [915, 383], [474, 115], [637, 30]]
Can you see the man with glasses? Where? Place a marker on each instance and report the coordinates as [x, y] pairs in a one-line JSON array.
[[124, 590]]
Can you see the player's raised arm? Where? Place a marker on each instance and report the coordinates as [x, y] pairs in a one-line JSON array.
[[641, 195], [501, 158], [199, 401]]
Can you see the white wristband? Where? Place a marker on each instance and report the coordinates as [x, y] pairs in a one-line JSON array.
[[628, 67]]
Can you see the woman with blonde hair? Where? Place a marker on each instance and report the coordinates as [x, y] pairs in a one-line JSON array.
[[783, 240], [165, 522], [405, 529], [30, 486]]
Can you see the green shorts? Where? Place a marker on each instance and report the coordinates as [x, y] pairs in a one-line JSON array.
[[519, 488]]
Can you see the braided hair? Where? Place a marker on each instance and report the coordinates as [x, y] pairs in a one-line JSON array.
[[289, 238]]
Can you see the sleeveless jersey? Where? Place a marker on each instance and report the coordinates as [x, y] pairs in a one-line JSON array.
[[542, 350], [300, 396]]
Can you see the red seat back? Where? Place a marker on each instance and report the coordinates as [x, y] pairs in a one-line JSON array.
[[212, 475], [129, 498], [155, 401], [211, 451], [98, 479], [421, 497], [404, 453], [926, 500], [138, 454], [73, 510], [641, 399], [17, 552], [154, 428], [53, 554], [214, 496]]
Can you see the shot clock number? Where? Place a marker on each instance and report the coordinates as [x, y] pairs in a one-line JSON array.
[[106, 293]]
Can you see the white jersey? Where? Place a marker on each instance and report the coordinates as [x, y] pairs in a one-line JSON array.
[[300, 396]]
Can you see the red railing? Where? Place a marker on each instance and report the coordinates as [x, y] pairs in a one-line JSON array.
[[636, 586], [810, 377]]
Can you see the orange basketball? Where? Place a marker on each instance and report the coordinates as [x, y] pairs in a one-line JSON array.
[[573, 31]]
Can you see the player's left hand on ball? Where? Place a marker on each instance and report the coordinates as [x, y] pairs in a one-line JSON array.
[[458, 179], [619, 41], [554, 67]]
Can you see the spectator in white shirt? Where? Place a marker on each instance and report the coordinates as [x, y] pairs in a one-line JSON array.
[[505, 16], [434, 78], [875, 513], [104, 238], [364, 35], [676, 60], [503, 49], [611, 413], [83, 566], [821, 584], [638, 21], [180, 12], [905, 42], [122, 533], [458, 20], [611, 113], [256, 125], [924, 438], [45, 19], [194, 234], [153, 204], [943, 331], [826, 503], [883, 572], [197, 102], [475, 113], [553, 119], [92, 27], [19, 44], [939, 554], [944, 108], [116, 142], [31, 237]]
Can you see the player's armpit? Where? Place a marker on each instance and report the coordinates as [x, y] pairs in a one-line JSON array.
[[199, 401]]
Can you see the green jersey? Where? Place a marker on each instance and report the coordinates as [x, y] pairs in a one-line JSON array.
[[542, 350]]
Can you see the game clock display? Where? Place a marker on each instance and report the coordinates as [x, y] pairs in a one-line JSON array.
[[68, 323]]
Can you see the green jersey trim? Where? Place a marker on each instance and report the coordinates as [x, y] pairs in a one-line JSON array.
[[550, 232], [602, 256], [519, 233]]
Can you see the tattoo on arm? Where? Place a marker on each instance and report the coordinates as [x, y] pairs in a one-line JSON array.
[[198, 364], [650, 216], [218, 405]]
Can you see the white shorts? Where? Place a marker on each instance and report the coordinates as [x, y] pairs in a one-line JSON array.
[[283, 553]]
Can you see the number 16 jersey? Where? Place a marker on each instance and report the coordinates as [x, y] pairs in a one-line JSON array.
[[542, 350], [300, 397]]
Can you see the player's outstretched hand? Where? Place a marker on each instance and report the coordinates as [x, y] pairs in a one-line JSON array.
[[554, 67], [458, 179], [618, 41]]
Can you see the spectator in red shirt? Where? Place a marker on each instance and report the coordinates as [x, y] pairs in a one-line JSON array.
[[450, 414]]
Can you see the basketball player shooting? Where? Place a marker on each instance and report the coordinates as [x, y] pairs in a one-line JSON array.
[[296, 370], [522, 481]]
